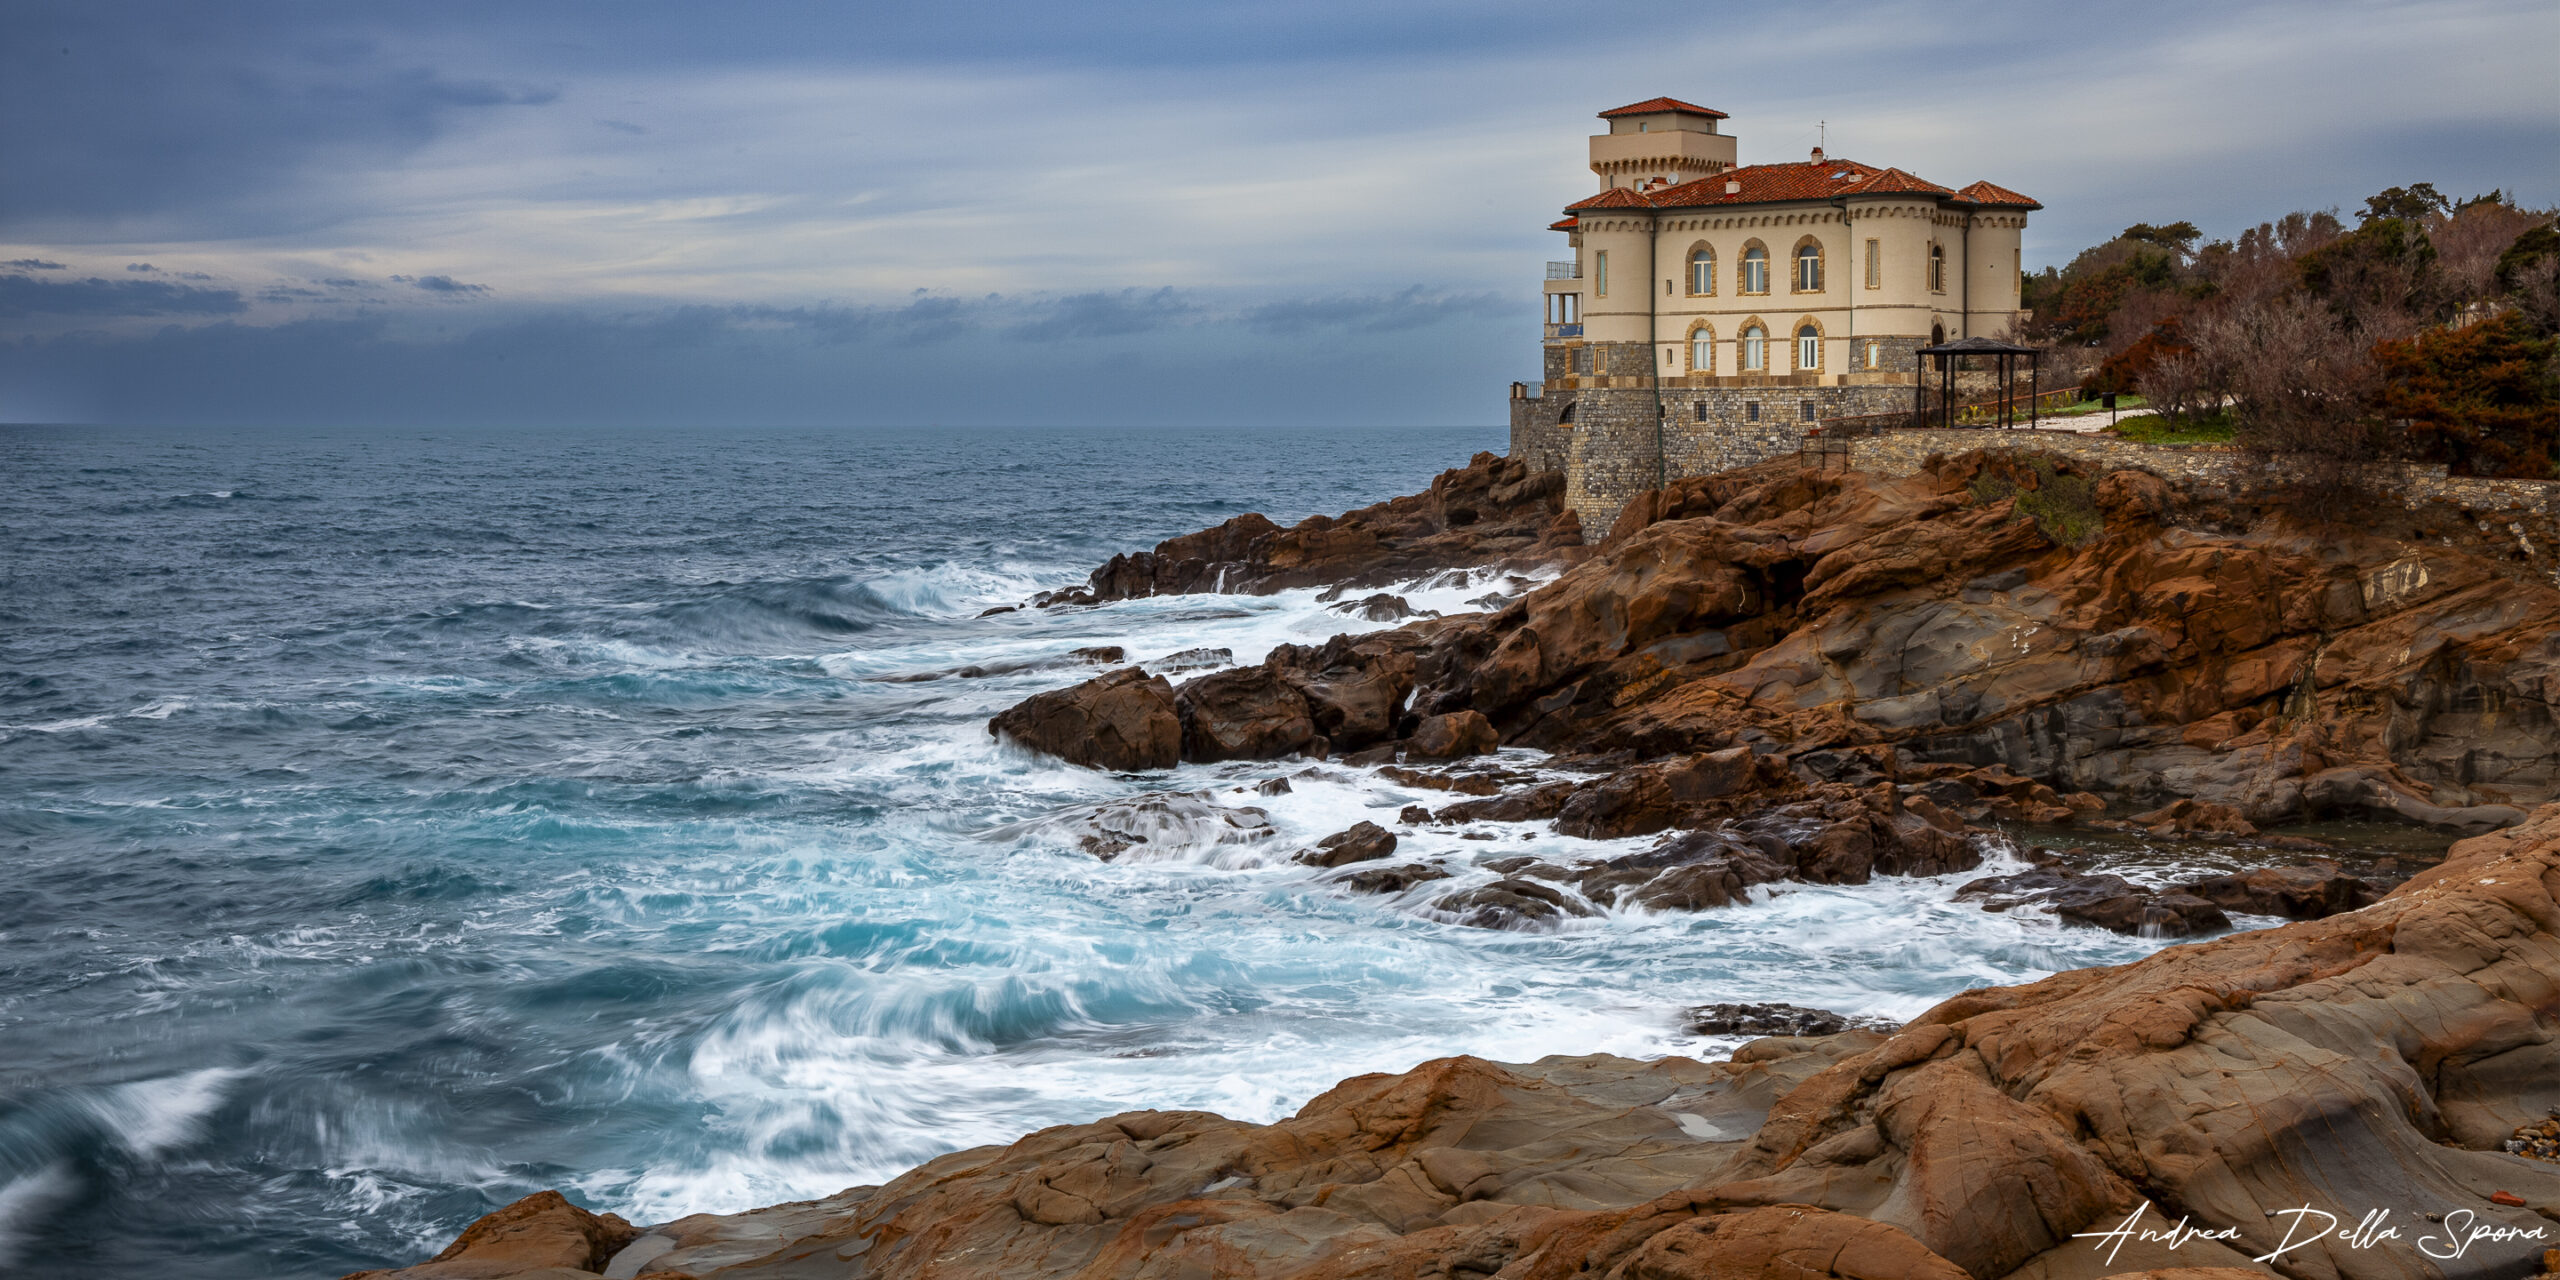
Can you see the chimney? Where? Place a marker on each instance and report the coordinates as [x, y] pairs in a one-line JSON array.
[[1732, 187], [1817, 155]]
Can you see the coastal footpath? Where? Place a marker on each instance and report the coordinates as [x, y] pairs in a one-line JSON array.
[[1782, 673]]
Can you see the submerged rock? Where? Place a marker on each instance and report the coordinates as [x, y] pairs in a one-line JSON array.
[[1365, 842], [1513, 903], [1166, 824], [1391, 879]]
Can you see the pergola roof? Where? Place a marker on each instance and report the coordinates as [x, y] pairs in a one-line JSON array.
[[1978, 347]]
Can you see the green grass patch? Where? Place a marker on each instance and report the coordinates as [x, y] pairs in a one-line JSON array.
[[2064, 506], [2086, 407], [2151, 428]]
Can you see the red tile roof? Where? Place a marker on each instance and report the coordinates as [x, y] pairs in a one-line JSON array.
[[1613, 198], [1651, 106], [1567, 224], [1797, 181], [1896, 182], [1986, 193]]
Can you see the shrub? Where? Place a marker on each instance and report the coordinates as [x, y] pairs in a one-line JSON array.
[[2063, 504], [2478, 398]]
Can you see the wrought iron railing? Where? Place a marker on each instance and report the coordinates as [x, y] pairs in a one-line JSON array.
[[1564, 271]]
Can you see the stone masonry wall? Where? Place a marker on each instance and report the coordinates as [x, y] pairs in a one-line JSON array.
[[1608, 452]]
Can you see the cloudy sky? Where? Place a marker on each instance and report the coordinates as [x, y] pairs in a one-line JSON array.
[[969, 212]]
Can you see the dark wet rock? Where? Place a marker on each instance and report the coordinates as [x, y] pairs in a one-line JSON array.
[[1514, 904], [1692, 871], [1494, 512], [1390, 879], [1126, 719], [1166, 821], [1531, 804], [1778, 1020], [1275, 787], [1413, 815], [1245, 714], [1365, 842], [2307, 892], [1101, 655], [1383, 608], [1384, 753], [1002, 608], [1655, 797], [1470, 784], [1355, 686], [2194, 818], [2103, 901], [1453, 735], [1186, 660]]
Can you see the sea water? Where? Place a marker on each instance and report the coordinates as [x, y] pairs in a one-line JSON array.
[[397, 822]]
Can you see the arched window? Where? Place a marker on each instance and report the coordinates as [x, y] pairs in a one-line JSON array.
[[1809, 268], [1702, 351], [1702, 271], [1808, 347], [1755, 349], [1755, 270], [1937, 268]]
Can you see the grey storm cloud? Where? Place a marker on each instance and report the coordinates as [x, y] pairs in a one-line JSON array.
[[32, 264], [1411, 308], [1102, 315], [439, 284], [26, 296], [205, 114], [140, 266], [624, 126]]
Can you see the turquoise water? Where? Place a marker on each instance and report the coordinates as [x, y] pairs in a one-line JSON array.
[[394, 823]]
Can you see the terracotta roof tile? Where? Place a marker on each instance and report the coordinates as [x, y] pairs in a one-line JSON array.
[[1613, 198], [1651, 106], [1896, 182], [1566, 224], [1986, 193], [1796, 181]]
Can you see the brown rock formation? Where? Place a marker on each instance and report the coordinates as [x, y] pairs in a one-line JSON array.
[[1124, 720], [1490, 514], [1453, 734], [2377, 1059], [2190, 650]]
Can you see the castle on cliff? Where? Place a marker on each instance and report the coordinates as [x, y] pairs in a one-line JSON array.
[[1714, 311]]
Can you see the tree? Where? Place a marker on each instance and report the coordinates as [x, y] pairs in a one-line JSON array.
[[2479, 399]]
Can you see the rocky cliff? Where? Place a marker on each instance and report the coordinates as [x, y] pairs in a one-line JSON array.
[[2094, 634], [2382, 1061], [1785, 674]]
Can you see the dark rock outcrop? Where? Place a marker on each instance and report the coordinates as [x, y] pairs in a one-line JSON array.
[[1249, 713], [2103, 901], [1777, 1020], [2308, 892], [1492, 513], [1124, 720], [1452, 736], [1364, 842]]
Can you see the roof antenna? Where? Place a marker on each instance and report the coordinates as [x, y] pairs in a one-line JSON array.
[[1821, 136]]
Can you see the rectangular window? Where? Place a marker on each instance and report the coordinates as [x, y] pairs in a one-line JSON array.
[[1600, 274], [1751, 411], [1701, 410], [1806, 407], [1875, 266]]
